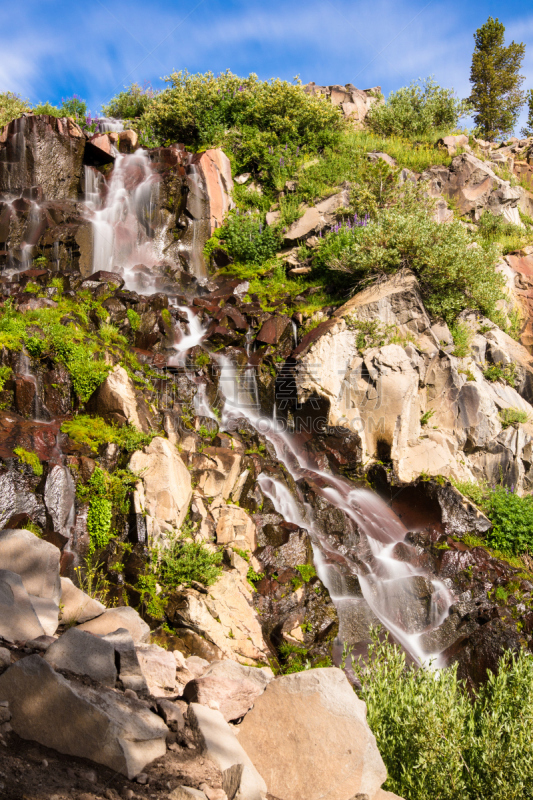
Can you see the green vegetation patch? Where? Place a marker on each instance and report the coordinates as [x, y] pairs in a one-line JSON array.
[[94, 431], [30, 458], [186, 561], [437, 740]]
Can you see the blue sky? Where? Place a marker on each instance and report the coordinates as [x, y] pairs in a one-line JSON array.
[[53, 48]]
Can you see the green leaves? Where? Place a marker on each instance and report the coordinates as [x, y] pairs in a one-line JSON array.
[[423, 108], [436, 741], [186, 561], [494, 75], [452, 275]]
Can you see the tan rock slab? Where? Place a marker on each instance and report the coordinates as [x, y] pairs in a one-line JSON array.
[[77, 606], [114, 618], [307, 735]]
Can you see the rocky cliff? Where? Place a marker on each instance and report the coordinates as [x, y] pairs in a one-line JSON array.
[[196, 484]]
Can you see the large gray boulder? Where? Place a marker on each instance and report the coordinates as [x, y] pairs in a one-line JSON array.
[[36, 561], [18, 620], [159, 669], [84, 654], [114, 618], [308, 735], [228, 687], [76, 720], [220, 744]]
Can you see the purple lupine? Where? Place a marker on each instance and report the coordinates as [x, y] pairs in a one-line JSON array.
[[298, 150]]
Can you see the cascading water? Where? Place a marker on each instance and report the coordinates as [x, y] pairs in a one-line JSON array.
[[123, 219], [397, 593]]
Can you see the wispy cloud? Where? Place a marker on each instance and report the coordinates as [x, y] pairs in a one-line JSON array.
[[57, 47]]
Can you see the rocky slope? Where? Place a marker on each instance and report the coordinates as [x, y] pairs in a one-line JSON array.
[[137, 396]]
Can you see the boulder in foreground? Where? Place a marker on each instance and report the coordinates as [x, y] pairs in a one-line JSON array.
[[76, 720], [308, 736]]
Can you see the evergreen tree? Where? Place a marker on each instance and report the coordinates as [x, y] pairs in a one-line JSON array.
[[496, 94], [528, 130]]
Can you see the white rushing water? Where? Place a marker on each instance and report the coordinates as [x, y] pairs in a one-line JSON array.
[[409, 603], [122, 213]]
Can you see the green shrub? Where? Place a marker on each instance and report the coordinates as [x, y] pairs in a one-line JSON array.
[[12, 106], [248, 239], [99, 518], [512, 416], [462, 336], [501, 372], [419, 110], [30, 458], [497, 230], [186, 561], [130, 103], [436, 741], [452, 276], [87, 373], [199, 110], [510, 514]]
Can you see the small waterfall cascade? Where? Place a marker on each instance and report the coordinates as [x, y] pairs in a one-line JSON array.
[[394, 591], [123, 215]]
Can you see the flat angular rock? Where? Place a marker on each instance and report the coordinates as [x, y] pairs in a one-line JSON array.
[[76, 606], [130, 672], [159, 669], [228, 687], [220, 744], [76, 720], [18, 620], [84, 654], [308, 735], [114, 618], [36, 561]]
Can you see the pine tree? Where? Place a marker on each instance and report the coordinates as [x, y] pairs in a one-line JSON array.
[[496, 94], [528, 130]]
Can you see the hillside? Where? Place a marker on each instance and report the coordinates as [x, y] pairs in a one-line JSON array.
[[266, 429]]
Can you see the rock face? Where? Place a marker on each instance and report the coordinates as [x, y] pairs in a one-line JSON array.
[[382, 392], [475, 187], [118, 401], [80, 721], [225, 618], [228, 687], [166, 489], [216, 169], [354, 103], [308, 737], [76, 606], [44, 153]]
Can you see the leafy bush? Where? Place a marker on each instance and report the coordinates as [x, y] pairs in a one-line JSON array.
[[510, 514], [419, 110], [186, 561], [497, 230], [452, 276], [12, 106], [130, 103], [438, 743], [462, 336], [248, 239], [30, 458], [199, 110], [87, 373]]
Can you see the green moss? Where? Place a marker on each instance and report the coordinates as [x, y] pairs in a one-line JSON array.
[[5, 374], [94, 431], [134, 318], [30, 458]]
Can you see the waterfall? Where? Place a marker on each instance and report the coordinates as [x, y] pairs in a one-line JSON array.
[[402, 596], [123, 222]]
